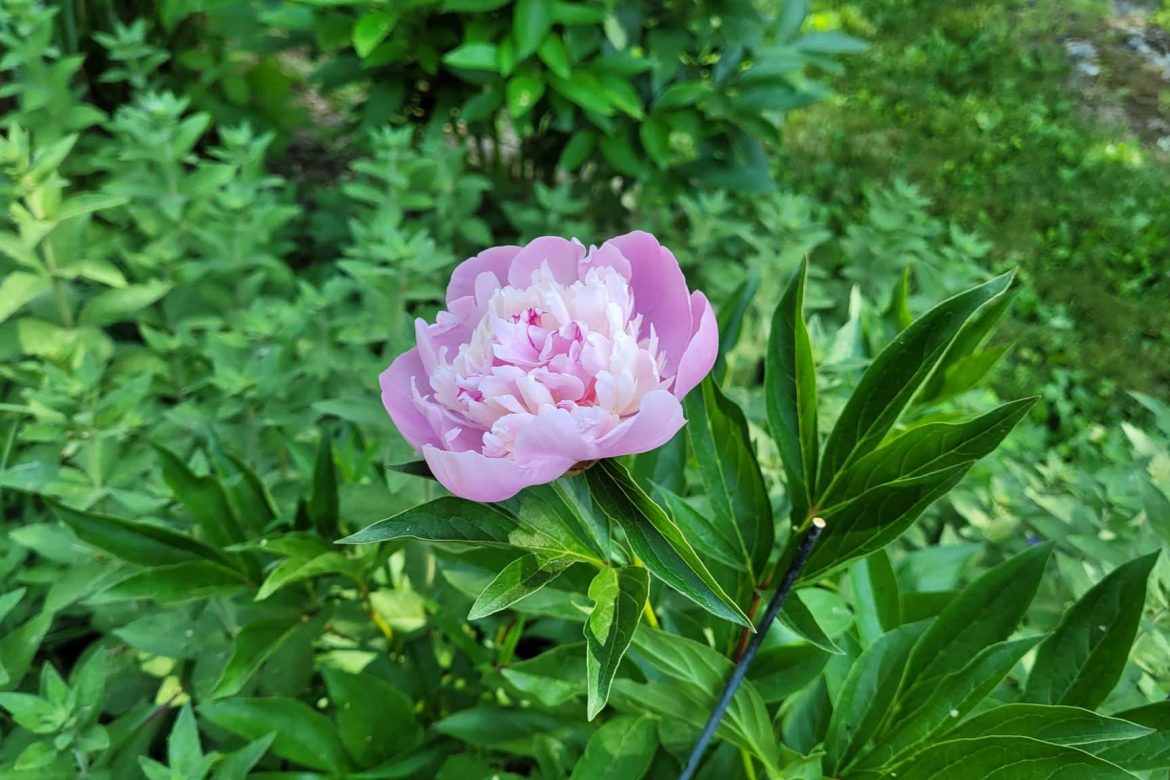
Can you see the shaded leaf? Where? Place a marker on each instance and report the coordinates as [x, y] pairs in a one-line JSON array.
[[1082, 659], [657, 541]]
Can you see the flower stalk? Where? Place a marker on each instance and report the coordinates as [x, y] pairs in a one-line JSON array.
[[745, 661]]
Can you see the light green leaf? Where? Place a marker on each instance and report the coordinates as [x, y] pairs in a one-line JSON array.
[[472, 56], [18, 289], [876, 596], [553, 677], [790, 395], [371, 29], [531, 20], [303, 736], [622, 749], [520, 578], [120, 303], [298, 569], [697, 675], [523, 91], [797, 616], [655, 539], [619, 597], [1082, 660]]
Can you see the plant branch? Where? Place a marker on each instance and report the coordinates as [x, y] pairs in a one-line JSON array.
[[741, 668]]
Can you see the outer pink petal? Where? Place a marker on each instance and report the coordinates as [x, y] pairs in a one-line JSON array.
[[563, 257], [699, 356], [660, 293], [398, 398], [552, 433], [495, 261], [476, 477], [657, 421]]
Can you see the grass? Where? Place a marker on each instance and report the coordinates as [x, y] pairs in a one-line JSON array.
[[975, 104]]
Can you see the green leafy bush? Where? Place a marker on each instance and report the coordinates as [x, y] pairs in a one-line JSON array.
[[219, 221]]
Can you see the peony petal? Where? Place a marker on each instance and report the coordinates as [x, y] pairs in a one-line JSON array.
[[553, 433], [399, 400], [563, 256], [606, 255], [656, 422], [495, 260], [660, 293], [699, 356], [476, 477]]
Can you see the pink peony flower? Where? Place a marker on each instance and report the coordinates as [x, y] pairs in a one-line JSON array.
[[549, 356]]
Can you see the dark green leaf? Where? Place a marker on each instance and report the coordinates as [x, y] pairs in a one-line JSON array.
[[451, 519], [415, 468], [303, 736], [790, 395], [926, 448], [731, 314], [622, 749], [522, 577], [174, 583], [655, 539], [696, 676], [146, 544], [985, 612], [1054, 724], [1150, 752], [867, 693], [577, 150], [719, 437], [237, 765], [204, 498], [892, 380], [519, 731], [952, 697], [1081, 661], [324, 503], [619, 597], [1018, 758], [779, 672], [874, 519], [553, 677], [255, 644], [374, 719]]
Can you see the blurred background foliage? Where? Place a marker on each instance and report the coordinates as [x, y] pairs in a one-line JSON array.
[[219, 219]]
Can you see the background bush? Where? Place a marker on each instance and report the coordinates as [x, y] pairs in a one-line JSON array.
[[219, 220]]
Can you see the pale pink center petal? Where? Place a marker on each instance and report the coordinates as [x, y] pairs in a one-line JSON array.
[[548, 346]]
